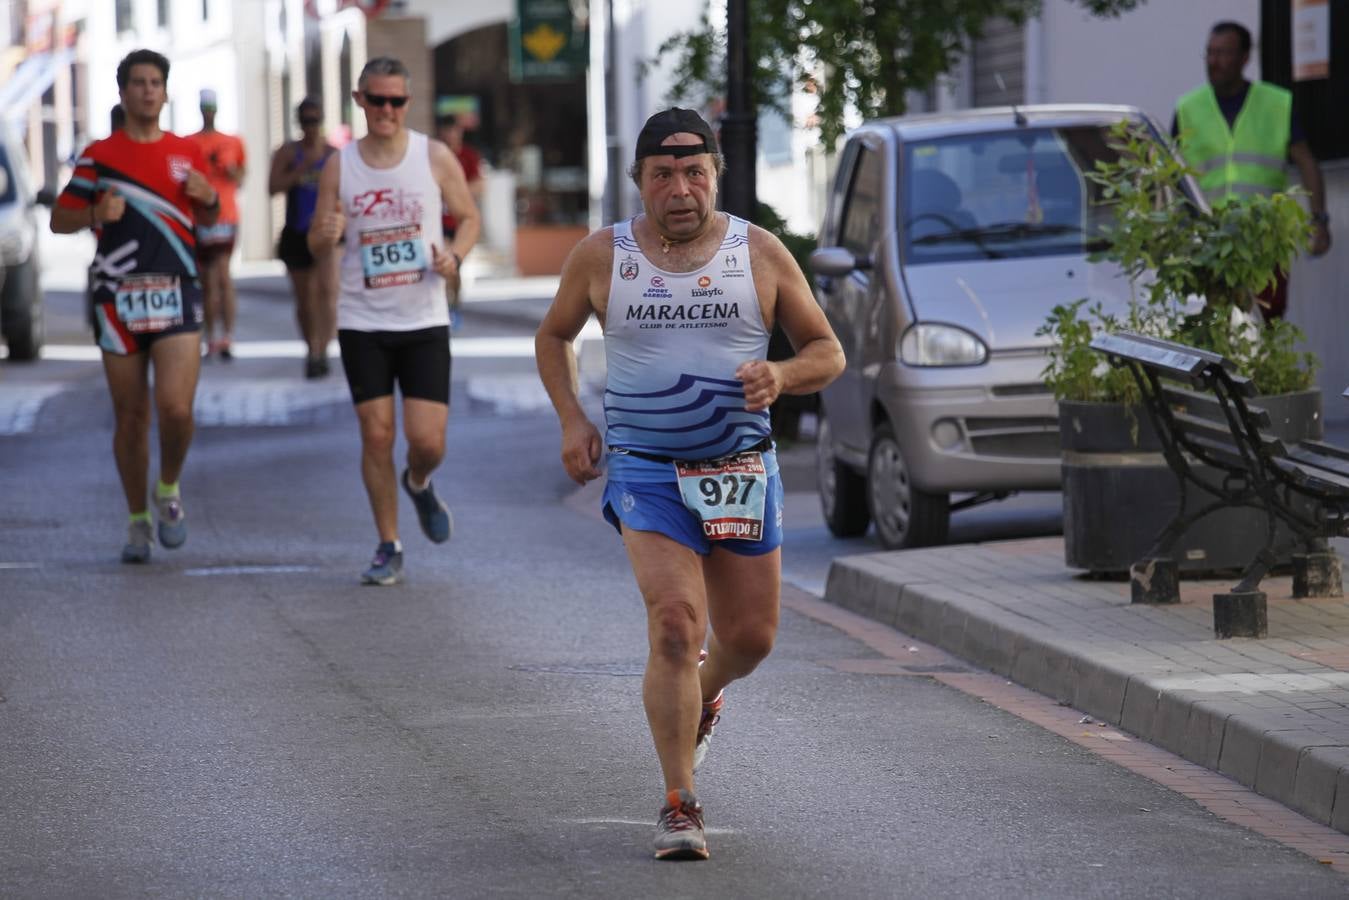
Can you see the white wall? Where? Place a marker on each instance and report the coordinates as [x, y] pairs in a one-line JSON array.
[[1146, 58], [446, 20]]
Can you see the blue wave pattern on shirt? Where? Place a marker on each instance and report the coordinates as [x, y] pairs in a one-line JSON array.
[[688, 420]]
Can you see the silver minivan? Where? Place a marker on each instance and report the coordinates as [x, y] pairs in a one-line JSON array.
[[947, 241]]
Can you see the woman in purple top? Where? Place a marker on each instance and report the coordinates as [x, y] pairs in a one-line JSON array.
[[295, 171]]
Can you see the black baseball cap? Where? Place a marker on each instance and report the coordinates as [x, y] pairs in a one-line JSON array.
[[675, 120]]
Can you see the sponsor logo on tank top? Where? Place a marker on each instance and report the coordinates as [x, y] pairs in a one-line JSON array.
[[705, 289], [393, 204], [731, 266], [657, 290], [628, 269]]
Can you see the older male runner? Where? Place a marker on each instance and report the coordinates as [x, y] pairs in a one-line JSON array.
[[383, 195], [142, 191], [687, 297]]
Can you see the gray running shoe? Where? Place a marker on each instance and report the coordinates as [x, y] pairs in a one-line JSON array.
[[172, 521], [432, 512], [679, 830], [138, 541], [706, 725], [386, 568]]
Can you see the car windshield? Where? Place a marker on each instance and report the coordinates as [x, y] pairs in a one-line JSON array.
[[1015, 193]]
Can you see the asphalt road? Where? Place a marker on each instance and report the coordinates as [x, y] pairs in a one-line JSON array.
[[241, 718]]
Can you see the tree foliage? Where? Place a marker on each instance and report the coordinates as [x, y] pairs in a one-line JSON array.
[[871, 52]]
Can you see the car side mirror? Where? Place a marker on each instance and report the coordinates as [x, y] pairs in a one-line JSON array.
[[45, 197], [834, 262]]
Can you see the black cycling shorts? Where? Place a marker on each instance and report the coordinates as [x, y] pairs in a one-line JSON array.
[[293, 249], [419, 361]]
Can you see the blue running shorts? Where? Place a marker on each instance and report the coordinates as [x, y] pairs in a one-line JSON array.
[[658, 507]]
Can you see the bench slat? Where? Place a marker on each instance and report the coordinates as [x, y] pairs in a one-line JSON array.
[[1221, 434], [1323, 449], [1314, 478], [1206, 405], [1224, 452], [1335, 465]]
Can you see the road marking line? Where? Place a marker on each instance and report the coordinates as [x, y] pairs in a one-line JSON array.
[[5, 565], [249, 570]]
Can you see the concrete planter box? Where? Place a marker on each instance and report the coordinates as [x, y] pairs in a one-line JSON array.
[[1119, 493]]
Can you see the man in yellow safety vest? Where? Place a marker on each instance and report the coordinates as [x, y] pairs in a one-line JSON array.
[[1238, 135]]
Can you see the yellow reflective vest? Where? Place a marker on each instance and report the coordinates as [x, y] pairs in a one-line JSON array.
[[1245, 158]]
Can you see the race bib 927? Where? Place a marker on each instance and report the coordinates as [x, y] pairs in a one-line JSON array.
[[727, 495]]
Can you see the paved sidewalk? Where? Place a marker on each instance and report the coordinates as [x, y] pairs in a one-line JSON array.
[[1272, 714]]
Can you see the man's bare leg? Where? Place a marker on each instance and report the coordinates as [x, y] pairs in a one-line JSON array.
[[670, 577], [129, 385], [177, 365], [743, 606], [381, 484], [424, 427]]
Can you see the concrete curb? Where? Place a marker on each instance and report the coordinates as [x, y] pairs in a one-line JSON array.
[[1290, 744]]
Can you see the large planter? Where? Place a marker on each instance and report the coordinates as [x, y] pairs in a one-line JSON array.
[[1119, 493]]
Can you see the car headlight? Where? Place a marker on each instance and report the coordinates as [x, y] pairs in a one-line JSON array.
[[941, 345]]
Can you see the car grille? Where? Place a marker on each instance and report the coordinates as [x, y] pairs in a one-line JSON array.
[[1031, 437]]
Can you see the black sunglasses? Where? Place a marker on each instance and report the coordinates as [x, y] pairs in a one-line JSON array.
[[383, 100], [306, 123]]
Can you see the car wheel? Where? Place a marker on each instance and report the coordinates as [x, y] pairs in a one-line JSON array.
[[843, 493], [904, 515], [21, 312]]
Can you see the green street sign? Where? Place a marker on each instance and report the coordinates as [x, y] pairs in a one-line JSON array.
[[548, 41]]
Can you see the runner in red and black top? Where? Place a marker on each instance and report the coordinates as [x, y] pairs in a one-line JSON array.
[[143, 193]]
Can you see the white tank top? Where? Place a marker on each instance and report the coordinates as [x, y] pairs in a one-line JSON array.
[[393, 218], [672, 343]]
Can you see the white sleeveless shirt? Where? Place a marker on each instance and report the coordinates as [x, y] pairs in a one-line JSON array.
[[393, 218], [672, 343]]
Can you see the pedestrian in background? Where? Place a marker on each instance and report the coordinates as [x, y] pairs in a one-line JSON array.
[[381, 196], [687, 297], [225, 165], [147, 301], [295, 170], [1238, 135], [450, 130]]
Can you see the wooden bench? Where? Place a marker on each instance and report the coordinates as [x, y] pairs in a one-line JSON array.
[[1215, 440]]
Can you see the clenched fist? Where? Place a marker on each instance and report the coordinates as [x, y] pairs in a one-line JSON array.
[[762, 381], [329, 225], [443, 261], [198, 189]]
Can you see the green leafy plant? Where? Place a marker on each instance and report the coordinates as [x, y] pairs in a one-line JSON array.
[[857, 55], [1196, 275]]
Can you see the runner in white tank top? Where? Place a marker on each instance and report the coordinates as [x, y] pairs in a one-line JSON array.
[[393, 220], [687, 297], [382, 196]]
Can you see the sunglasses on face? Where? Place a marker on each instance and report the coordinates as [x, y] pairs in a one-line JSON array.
[[384, 100], [308, 123]]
